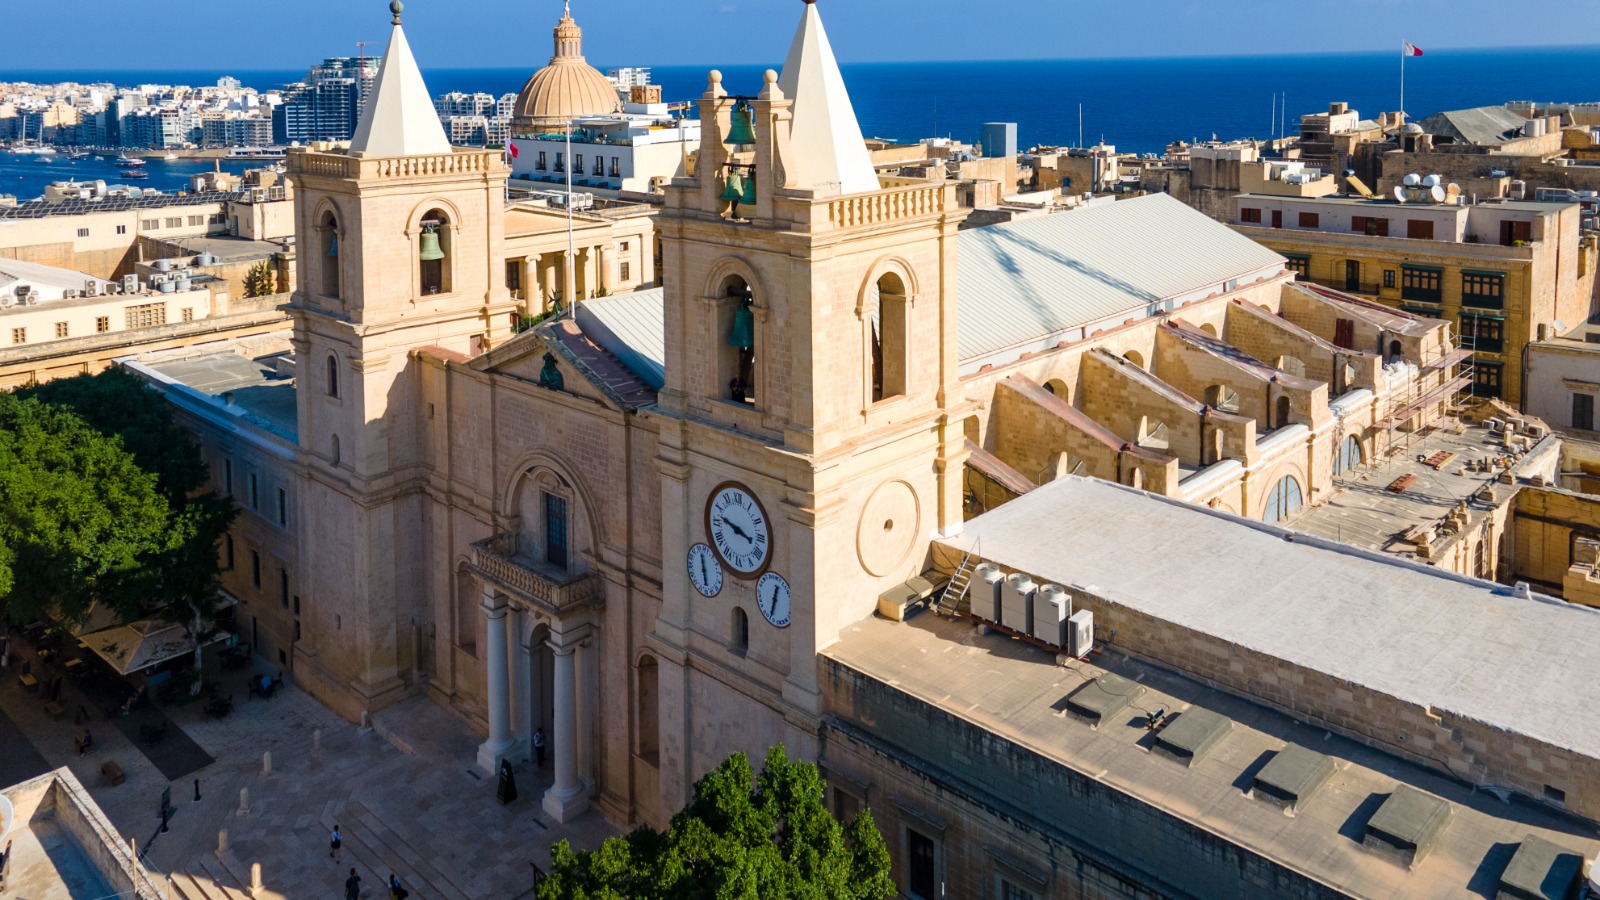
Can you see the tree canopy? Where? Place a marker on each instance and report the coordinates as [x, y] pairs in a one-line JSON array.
[[735, 842], [171, 572]]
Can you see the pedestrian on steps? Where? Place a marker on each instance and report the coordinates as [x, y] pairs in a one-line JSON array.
[[538, 747], [334, 841], [352, 886], [396, 892]]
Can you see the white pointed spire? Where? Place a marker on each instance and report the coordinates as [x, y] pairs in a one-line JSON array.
[[399, 119], [830, 156]]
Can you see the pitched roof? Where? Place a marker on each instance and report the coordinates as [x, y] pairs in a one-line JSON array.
[[399, 119], [830, 156], [1024, 283], [1483, 126], [631, 328]]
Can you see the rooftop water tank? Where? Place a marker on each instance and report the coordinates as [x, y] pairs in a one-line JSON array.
[[163, 265]]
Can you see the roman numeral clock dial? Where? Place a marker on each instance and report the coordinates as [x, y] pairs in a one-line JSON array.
[[740, 533]]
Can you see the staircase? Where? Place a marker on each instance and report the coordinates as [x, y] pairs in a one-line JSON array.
[[376, 850], [953, 602], [207, 879]]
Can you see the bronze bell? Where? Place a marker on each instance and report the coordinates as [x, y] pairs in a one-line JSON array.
[[748, 195], [431, 250], [743, 335], [733, 190], [742, 130]]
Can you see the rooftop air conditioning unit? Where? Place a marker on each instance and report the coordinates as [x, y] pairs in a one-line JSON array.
[[1016, 606], [130, 284], [1051, 608], [987, 581], [1080, 634]]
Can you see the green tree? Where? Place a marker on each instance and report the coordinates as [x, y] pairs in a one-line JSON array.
[[733, 842], [76, 512], [179, 580], [260, 281]]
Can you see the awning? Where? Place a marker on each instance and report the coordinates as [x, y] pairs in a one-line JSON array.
[[138, 646]]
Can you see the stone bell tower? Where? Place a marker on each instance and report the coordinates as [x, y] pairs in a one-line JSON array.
[[812, 443], [399, 238]]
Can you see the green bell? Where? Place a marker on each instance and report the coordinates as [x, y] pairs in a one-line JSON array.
[[333, 246], [733, 190], [748, 195], [743, 335], [431, 250], [742, 132]]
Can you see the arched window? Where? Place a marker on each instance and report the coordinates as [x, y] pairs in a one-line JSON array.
[[1153, 434], [647, 726], [889, 326], [1134, 357], [1209, 328], [434, 254], [739, 636], [333, 451], [1396, 351], [328, 255], [1059, 388], [1284, 500], [736, 342], [333, 375], [1222, 397], [1348, 455], [1284, 409]]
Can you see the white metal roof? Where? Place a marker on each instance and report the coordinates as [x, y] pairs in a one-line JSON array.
[[632, 328], [400, 119], [1025, 281], [827, 152], [1411, 631]]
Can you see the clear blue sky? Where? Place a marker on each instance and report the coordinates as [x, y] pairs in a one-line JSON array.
[[290, 34]]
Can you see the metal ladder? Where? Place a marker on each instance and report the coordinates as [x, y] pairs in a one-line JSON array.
[[956, 589]]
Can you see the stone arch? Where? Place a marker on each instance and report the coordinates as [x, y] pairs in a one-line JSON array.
[[1284, 411], [1060, 389], [327, 224], [330, 384], [1283, 499], [333, 451], [1292, 365], [1222, 397], [886, 265], [647, 709], [886, 337], [739, 631], [1134, 357], [1348, 454], [437, 277], [468, 596], [733, 285], [544, 473], [1209, 328]]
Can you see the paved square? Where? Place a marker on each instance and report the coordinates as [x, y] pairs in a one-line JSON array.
[[405, 794]]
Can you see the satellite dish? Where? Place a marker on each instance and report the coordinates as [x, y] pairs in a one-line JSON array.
[[1412, 180], [1437, 193], [1400, 194], [1432, 181], [1453, 192]]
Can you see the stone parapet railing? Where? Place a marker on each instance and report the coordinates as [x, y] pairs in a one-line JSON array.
[[891, 205], [338, 165], [556, 593]]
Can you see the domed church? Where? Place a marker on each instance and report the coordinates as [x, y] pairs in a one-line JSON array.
[[566, 89]]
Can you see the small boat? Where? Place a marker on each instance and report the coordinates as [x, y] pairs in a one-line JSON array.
[[126, 162], [135, 174], [79, 154], [170, 157]]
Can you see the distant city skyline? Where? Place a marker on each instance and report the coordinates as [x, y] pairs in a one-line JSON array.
[[512, 33]]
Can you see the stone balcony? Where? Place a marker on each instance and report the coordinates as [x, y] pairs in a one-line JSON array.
[[546, 589]]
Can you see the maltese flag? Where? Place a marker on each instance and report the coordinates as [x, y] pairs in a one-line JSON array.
[[512, 153], [1409, 49]]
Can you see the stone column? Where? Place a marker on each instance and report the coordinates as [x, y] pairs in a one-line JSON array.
[[606, 256], [647, 260], [547, 279], [566, 798], [499, 741]]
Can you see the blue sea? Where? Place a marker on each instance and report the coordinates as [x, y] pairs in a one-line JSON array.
[[1139, 105]]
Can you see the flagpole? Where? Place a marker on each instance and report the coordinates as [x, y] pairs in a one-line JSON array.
[[570, 283], [1403, 56]]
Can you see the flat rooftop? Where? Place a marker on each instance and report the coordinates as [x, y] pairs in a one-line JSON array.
[[1016, 692], [1419, 634], [1363, 511], [50, 859], [242, 376]]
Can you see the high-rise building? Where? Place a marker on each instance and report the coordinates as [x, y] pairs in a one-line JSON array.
[[327, 105]]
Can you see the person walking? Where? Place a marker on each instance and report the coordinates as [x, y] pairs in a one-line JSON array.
[[335, 840], [352, 886], [538, 748], [396, 891]]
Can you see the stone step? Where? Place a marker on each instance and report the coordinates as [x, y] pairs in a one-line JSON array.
[[373, 844], [400, 854], [228, 875], [188, 887]]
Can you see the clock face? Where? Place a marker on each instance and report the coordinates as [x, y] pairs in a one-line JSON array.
[[739, 530], [772, 595], [705, 573]]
